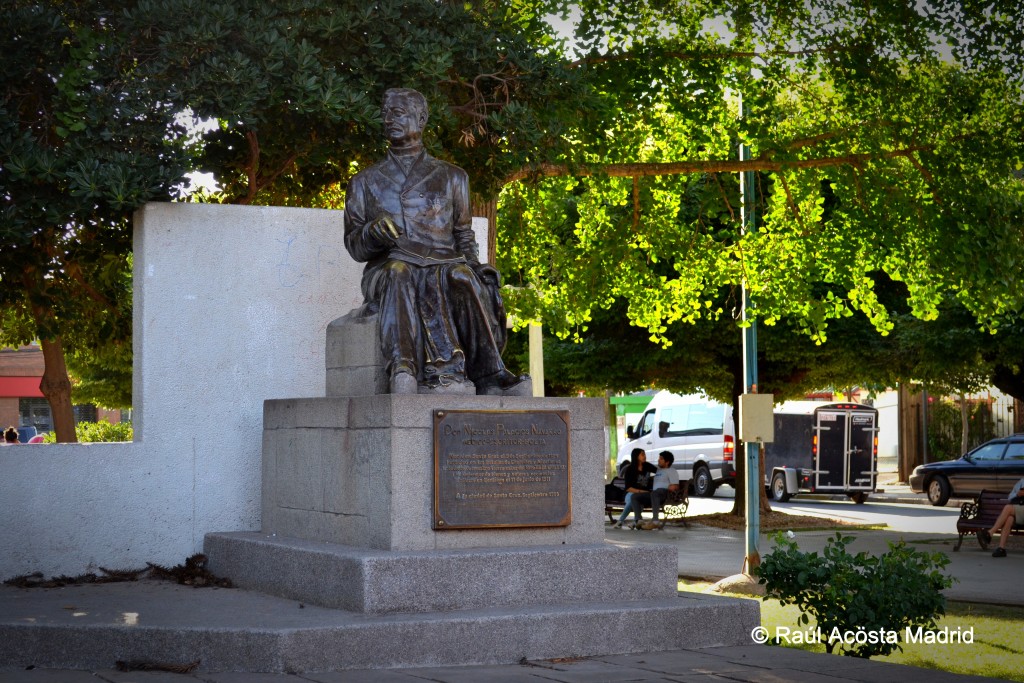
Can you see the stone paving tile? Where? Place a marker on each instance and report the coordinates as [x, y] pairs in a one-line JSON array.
[[677, 662], [834, 668], [592, 671], [359, 676], [47, 676], [511, 673], [115, 676], [753, 675], [871, 671], [765, 657], [243, 677], [739, 664]]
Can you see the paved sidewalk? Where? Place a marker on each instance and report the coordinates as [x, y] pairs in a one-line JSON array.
[[710, 553], [703, 553], [752, 663]]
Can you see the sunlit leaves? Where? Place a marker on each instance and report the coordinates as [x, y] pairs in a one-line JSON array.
[[885, 152]]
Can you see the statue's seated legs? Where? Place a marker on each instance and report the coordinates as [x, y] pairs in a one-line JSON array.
[[394, 291], [437, 327]]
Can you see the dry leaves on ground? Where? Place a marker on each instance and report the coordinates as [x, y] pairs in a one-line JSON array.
[[772, 521]]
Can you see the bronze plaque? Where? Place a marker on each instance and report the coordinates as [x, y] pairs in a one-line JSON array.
[[501, 468]]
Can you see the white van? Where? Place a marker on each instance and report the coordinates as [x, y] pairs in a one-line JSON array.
[[699, 432]]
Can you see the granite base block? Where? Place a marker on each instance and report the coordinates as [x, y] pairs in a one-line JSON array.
[[383, 582], [492, 637], [358, 470], [238, 630], [354, 364]]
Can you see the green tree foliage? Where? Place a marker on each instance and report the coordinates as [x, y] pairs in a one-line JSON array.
[[96, 96], [844, 593], [99, 345], [295, 86], [83, 142], [884, 140], [949, 355]]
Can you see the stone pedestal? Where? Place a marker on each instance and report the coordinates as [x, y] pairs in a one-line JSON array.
[[355, 366], [359, 471], [384, 582], [347, 505]]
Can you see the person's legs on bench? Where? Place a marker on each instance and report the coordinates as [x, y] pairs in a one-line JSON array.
[[658, 498], [627, 505], [1010, 515], [640, 501]]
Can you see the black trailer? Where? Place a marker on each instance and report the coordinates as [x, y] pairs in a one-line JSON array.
[[823, 448]]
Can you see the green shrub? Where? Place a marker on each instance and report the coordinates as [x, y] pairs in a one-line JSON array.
[[844, 593], [93, 432]]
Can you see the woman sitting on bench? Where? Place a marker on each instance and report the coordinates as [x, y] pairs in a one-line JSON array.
[[638, 475], [1013, 513]]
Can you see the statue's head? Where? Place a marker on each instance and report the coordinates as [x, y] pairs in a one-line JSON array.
[[404, 111]]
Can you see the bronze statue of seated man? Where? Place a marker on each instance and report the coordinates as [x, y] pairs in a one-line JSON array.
[[441, 317]]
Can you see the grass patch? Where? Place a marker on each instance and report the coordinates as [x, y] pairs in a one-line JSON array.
[[996, 651]]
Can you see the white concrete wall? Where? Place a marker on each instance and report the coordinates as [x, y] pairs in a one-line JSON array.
[[231, 308]]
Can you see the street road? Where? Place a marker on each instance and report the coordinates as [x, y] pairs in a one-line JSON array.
[[898, 517]]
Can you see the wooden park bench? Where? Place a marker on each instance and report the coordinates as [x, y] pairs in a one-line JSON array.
[[673, 510], [980, 515]]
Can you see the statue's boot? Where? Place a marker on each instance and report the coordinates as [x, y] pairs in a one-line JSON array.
[[404, 383], [504, 383]]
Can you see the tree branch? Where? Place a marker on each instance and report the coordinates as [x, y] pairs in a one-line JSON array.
[[625, 56], [725, 198], [792, 204], [269, 180], [704, 166], [252, 171], [636, 202], [253, 168], [928, 178], [75, 271]]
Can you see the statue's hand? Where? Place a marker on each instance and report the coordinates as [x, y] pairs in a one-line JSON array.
[[384, 230], [488, 273]]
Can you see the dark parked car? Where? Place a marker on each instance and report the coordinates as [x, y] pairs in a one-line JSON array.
[[995, 465]]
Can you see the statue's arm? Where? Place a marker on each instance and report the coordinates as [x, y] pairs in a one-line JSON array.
[[465, 238], [366, 237], [462, 217]]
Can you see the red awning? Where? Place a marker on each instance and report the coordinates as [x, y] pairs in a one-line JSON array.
[[20, 387]]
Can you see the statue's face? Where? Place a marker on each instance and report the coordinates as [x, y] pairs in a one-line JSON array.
[[403, 120]]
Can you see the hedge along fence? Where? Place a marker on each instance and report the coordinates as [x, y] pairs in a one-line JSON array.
[[98, 432], [945, 427]]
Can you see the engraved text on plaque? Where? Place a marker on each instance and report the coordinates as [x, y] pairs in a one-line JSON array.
[[501, 469]]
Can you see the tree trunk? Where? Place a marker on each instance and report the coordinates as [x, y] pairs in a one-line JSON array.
[[56, 387], [766, 504], [964, 436], [55, 384]]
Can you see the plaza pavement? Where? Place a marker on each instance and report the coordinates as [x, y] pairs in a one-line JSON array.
[[711, 553], [704, 553]]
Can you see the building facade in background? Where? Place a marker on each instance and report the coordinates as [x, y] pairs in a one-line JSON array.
[[22, 403]]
